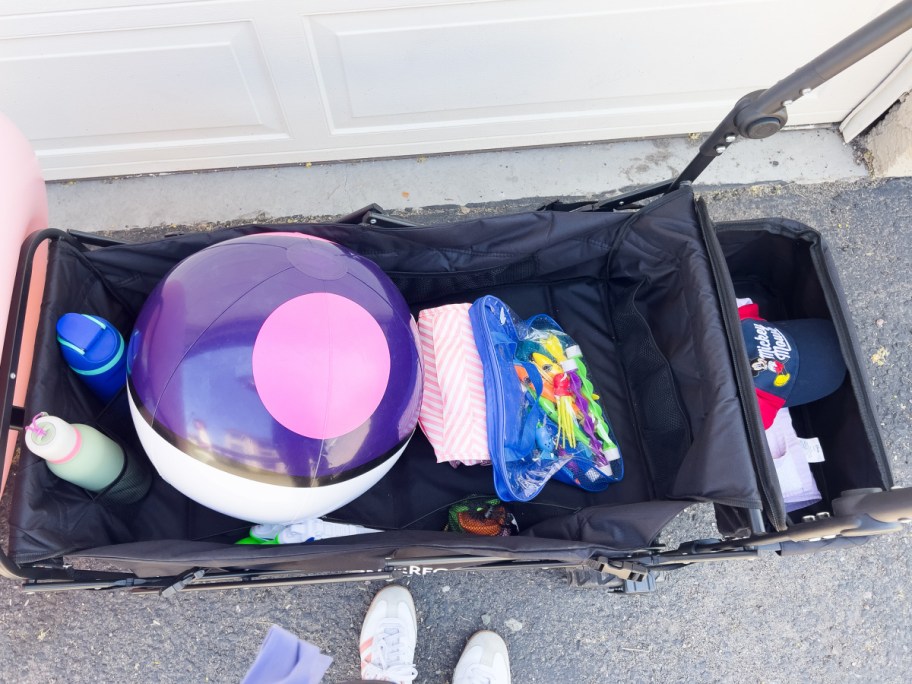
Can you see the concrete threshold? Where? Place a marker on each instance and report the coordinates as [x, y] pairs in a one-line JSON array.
[[332, 189]]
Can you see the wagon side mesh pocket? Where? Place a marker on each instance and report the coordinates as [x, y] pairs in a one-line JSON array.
[[663, 426]]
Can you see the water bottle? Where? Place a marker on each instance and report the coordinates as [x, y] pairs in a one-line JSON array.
[[94, 350], [75, 452]]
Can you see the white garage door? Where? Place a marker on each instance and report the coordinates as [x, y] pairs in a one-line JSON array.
[[110, 87]]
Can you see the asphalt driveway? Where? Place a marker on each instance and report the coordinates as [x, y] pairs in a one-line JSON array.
[[835, 617]]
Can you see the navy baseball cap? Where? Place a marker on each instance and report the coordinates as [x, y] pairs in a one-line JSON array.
[[792, 362]]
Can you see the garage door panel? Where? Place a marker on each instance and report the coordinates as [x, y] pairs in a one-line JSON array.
[[430, 66], [394, 68], [148, 86], [109, 87]]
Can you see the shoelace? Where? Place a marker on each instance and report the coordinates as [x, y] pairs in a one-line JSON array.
[[479, 674], [388, 652]]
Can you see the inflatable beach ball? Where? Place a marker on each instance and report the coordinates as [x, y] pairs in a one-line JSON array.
[[274, 377]]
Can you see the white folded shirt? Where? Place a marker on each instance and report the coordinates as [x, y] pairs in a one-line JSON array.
[[790, 457]]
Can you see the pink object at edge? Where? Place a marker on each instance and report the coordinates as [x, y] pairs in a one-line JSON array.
[[24, 210]]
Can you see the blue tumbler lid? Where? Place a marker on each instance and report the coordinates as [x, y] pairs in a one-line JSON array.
[[89, 344]]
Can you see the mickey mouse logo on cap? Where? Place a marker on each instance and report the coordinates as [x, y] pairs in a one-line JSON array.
[[759, 365]]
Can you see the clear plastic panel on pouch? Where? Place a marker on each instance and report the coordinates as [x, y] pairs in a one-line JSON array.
[[544, 416]]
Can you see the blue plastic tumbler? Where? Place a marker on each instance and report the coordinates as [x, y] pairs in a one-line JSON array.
[[94, 349]]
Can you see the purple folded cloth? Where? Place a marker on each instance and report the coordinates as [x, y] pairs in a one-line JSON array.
[[285, 659]]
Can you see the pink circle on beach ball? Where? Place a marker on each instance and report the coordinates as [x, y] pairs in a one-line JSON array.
[[321, 365]]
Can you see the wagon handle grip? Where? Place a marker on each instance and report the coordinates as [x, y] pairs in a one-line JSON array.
[[891, 506], [857, 513]]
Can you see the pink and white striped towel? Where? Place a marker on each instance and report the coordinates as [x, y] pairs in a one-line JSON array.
[[453, 408]]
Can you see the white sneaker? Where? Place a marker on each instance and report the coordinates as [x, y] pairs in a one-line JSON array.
[[484, 661], [388, 637]]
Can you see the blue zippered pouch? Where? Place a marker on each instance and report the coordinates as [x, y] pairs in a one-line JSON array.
[[536, 426]]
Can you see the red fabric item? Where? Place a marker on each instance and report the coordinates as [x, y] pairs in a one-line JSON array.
[[769, 406], [749, 311]]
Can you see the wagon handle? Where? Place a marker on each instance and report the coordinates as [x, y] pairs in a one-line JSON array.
[[857, 513], [13, 417], [891, 506], [764, 112]]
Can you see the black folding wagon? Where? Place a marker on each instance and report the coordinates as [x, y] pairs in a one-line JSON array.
[[647, 284]]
